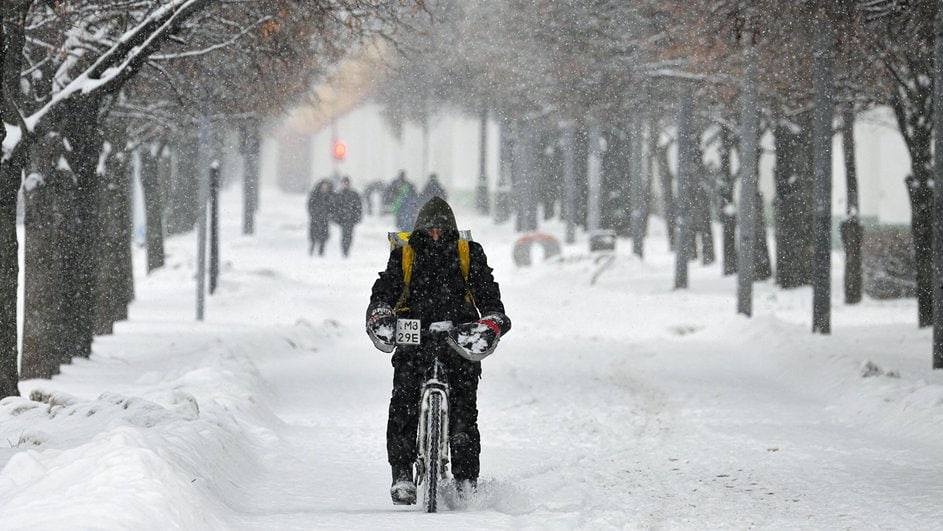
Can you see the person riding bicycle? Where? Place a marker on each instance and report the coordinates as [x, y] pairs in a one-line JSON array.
[[437, 291]]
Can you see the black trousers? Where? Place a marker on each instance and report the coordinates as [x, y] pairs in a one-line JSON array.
[[409, 372], [347, 238], [317, 236], [319, 245]]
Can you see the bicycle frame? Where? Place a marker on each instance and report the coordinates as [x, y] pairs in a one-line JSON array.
[[435, 390], [433, 454], [435, 385]]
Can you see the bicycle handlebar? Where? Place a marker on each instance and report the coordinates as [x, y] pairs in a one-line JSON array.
[[447, 331]]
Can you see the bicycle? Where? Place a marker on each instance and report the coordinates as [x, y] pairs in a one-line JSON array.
[[432, 435]]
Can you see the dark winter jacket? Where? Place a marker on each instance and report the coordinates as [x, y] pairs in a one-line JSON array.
[[320, 211], [348, 208], [437, 289], [405, 202]]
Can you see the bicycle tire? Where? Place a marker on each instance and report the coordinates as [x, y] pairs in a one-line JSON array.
[[432, 441]]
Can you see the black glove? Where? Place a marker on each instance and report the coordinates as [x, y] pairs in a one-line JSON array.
[[481, 336], [381, 327]]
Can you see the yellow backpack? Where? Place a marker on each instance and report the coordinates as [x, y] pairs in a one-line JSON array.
[[464, 262]]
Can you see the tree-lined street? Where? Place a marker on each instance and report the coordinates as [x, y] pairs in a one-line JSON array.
[[714, 225]]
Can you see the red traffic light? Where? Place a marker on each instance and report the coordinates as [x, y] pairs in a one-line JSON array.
[[339, 150]]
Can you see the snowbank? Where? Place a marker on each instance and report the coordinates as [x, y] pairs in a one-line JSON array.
[[172, 456]]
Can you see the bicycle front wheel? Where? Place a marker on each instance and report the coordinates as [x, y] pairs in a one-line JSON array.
[[433, 462]]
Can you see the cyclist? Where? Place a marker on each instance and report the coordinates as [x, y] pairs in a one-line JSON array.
[[437, 291]]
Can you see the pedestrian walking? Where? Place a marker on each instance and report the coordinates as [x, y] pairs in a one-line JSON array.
[[391, 191], [320, 212], [404, 202], [348, 211]]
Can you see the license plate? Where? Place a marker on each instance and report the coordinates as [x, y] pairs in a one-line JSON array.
[[408, 331]]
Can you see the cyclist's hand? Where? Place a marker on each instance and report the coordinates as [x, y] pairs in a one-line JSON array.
[[381, 327], [480, 336], [497, 321]]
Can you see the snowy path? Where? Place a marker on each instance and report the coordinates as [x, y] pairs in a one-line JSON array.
[[622, 404]]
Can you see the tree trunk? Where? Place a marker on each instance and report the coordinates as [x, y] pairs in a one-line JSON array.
[[581, 152], [686, 153], [593, 174], [49, 198], [762, 265], [482, 200], [552, 184], [910, 108], [617, 175], [153, 207], [822, 162], [10, 178], [651, 149], [748, 175], [251, 146], [706, 226], [569, 181], [106, 261], [82, 246], [702, 222], [938, 191], [793, 206], [518, 175], [126, 230], [921, 226], [502, 196], [667, 194], [728, 210], [12, 39], [528, 173], [114, 235], [638, 176], [551, 164], [851, 231], [184, 208]]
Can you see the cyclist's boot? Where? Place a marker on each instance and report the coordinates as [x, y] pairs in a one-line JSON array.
[[464, 490], [466, 487], [403, 490]]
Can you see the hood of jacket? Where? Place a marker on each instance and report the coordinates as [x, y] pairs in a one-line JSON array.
[[436, 214]]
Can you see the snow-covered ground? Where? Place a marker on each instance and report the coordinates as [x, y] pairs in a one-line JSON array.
[[615, 404]]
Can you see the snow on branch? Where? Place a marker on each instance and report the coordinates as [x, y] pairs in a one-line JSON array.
[[121, 61], [210, 49]]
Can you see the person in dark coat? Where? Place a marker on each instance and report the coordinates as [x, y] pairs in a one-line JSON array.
[[405, 201], [433, 189], [348, 211], [437, 292], [320, 212], [391, 192]]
